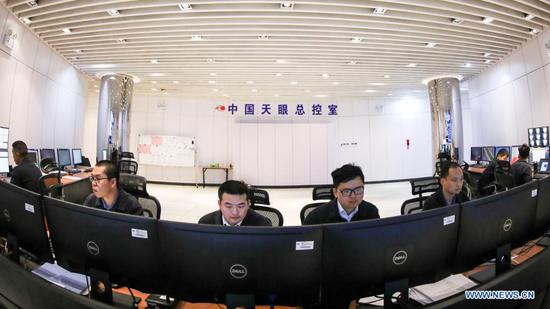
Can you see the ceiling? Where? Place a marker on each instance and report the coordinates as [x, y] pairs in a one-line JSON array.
[[248, 48]]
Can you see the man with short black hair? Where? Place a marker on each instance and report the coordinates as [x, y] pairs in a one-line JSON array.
[[349, 186], [234, 207], [26, 174], [106, 193], [450, 192], [521, 169]]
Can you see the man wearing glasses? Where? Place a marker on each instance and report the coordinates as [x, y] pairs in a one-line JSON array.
[[348, 205], [106, 193]]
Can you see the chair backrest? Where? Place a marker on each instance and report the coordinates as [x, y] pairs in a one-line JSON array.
[[258, 196], [275, 216], [504, 179], [420, 186], [133, 184], [50, 184], [151, 206], [127, 154], [322, 193], [127, 166], [413, 205], [307, 209]]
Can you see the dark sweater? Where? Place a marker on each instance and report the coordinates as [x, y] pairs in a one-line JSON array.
[[328, 213], [252, 218]]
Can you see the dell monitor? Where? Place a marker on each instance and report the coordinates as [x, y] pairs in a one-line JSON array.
[[542, 220], [47, 153], [487, 154], [22, 223], [389, 254], [107, 246], [77, 156], [514, 154], [499, 148], [64, 157], [490, 226], [475, 154], [210, 263], [4, 162]]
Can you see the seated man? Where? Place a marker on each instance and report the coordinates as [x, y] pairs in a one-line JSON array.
[[234, 207], [106, 193], [521, 169], [488, 175], [348, 205], [26, 174], [450, 191]]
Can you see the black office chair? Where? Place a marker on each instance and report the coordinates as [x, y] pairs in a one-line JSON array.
[[424, 185], [306, 210], [504, 180], [413, 205], [127, 166], [151, 206], [258, 196], [319, 193], [271, 213], [137, 186], [50, 185], [127, 154]]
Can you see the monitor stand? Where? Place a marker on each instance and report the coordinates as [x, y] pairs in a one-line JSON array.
[[101, 290], [232, 301], [503, 262], [397, 286]]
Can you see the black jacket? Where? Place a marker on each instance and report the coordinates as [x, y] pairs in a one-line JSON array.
[[125, 203], [26, 175], [437, 200], [252, 219], [328, 213], [522, 172]]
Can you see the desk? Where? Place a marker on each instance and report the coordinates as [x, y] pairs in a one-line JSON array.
[[67, 179], [205, 168]]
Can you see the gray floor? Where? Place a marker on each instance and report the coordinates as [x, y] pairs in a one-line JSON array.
[[188, 203]]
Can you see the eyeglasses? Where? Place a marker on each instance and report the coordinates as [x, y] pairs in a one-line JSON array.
[[355, 191], [97, 179]]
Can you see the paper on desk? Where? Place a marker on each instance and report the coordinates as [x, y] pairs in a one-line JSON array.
[[58, 275], [429, 293]]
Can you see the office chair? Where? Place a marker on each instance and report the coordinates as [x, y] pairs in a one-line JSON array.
[[504, 179], [151, 206], [319, 193], [127, 166], [271, 213], [127, 154], [420, 186], [50, 185], [137, 186], [413, 205], [258, 196]]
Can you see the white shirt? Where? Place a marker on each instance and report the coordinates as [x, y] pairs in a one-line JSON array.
[[344, 214], [227, 223]]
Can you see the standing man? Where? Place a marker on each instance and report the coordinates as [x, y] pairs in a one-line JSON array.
[[26, 174], [521, 168], [348, 205], [234, 207], [106, 193], [450, 192]]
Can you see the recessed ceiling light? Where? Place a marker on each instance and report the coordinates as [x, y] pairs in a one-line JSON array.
[[456, 21], [356, 40], [26, 20], [213, 74], [78, 51], [387, 76], [320, 95], [468, 65], [534, 31], [121, 41], [165, 92], [210, 60], [211, 81], [185, 6], [325, 75], [529, 16], [196, 37], [275, 95], [157, 74], [176, 82], [293, 82], [376, 84], [486, 54], [411, 65], [154, 89], [153, 82], [254, 90], [335, 83], [66, 30], [263, 37], [352, 62], [369, 90], [32, 4], [154, 61], [430, 45], [215, 90], [390, 94], [95, 86], [488, 60], [287, 5], [487, 20], [279, 74], [250, 82], [378, 11], [113, 12], [280, 61]]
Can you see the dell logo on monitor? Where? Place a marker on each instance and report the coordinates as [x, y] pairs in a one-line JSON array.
[[399, 257], [507, 225], [93, 248], [238, 271]]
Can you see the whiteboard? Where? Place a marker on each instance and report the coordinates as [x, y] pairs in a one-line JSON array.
[[166, 150]]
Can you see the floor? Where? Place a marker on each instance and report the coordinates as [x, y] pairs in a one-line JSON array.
[[189, 203]]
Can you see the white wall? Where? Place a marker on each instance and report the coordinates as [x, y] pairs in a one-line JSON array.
[[284, 150], [42, 97], [510, 97]]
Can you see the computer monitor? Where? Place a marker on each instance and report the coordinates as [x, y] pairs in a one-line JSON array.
[[22, 222], [487, 153], [475, 154], [544, 166], [209, 263], [32, 154], [507, 148], [542, 220], [77, 156], [4, 137], [77, 191], [63, 157], [47, 153], [490, 226], [4, 161], [538, 153], [361, 258], [514, 154], [107, 246]]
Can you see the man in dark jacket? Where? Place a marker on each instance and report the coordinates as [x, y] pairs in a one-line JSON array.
[[234, 207], [26, 174], [521, 169], [450, 191], [348, 205]]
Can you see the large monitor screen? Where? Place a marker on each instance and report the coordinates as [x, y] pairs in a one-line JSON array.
[[47, 153], [32, 155], [507, 148], [487, 154], [64, 157], [360, 257], [4, 137], [538, 153], [124, 246], [4, 161], [22, 217], [77, 156], [475, 153], [542, 221], [277, 265]]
